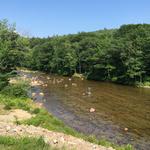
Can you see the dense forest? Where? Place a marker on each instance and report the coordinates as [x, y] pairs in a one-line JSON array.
[[117, 55]]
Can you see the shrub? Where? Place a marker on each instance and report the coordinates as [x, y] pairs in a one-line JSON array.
[[36, 111], [18, 90], [3, 81]]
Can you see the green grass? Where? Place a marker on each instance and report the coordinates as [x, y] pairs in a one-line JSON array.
[[25, 143], [43, 118], [46, 120], [15, 102]]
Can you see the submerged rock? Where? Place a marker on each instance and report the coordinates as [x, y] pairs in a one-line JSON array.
[[92, 110]]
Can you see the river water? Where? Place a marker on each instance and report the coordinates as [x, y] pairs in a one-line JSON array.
[[122, 113]]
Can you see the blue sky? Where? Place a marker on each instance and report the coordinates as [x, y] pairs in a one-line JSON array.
[[50, 17]]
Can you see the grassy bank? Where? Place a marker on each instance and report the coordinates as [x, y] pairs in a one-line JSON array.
[[15, 96], [10, 143]]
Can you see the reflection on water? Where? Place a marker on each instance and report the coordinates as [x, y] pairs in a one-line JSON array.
[[122, 113]]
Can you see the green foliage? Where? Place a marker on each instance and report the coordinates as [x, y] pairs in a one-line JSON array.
[[26, 143], [15, 96], [14, 102], [4, 79], [36, 111], [10, 49], [17, 90], [121, 55]]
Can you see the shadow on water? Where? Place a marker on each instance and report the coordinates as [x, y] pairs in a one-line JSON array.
[[122, 113]]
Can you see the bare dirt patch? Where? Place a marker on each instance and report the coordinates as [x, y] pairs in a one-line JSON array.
[[16, 114]]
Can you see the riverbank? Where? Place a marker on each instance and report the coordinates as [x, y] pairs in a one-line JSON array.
[[83, 77], [138, 85], [144, 85], [40, 117]]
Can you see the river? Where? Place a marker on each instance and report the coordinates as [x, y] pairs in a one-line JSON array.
[[121, 113]]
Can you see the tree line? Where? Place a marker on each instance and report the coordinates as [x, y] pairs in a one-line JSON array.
[[117, 55]]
